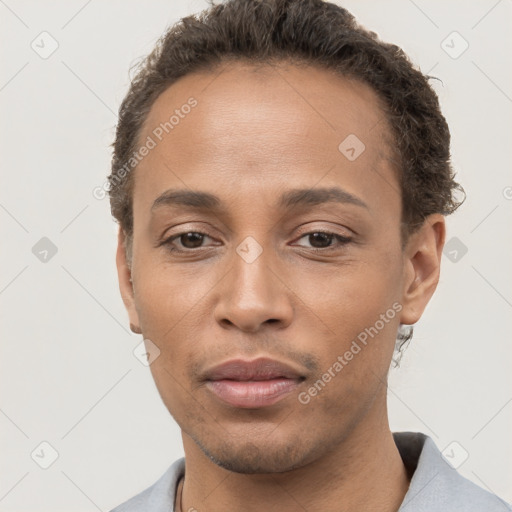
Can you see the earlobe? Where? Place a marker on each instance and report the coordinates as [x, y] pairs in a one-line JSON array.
[[135, 329], [422, 262], [124, 273]]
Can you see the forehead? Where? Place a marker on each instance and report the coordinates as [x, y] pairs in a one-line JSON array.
[[258, 128]]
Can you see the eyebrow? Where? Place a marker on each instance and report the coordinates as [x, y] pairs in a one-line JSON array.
[[315, 196], [289, 199]]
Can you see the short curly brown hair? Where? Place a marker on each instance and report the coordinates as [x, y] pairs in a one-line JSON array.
[[311, 32]]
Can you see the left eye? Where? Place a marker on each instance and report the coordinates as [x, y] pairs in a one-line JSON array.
[[323, 240]]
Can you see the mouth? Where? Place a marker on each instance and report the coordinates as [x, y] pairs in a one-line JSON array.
[[252, 384]]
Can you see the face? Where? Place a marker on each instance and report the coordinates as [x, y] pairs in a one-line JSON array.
[[257, 236]]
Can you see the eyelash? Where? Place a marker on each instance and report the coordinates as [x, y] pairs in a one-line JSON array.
[[342, 241]]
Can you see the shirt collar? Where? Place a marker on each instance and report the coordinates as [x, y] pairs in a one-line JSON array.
[[435, 485]]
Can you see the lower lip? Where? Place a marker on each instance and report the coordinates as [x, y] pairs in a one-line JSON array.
[[252, 394]]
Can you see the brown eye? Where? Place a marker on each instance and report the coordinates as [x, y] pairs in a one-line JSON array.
[[191, 240], [320, 240], [186, 241], [324, 240]]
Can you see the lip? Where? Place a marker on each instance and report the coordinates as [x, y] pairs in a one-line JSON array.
[[252, 384]]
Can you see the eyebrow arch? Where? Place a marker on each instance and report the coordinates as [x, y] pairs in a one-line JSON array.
[[190, 198], [315, 196], [289, 199]]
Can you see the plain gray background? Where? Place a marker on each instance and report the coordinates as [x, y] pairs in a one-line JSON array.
[[68, 373]]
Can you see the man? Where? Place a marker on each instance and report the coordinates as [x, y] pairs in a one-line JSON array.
[[281, 177]]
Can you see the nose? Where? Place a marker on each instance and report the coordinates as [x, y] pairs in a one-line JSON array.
[[252, 296]]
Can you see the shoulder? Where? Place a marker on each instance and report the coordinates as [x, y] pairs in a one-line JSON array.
[[435, 485], [160, 496]]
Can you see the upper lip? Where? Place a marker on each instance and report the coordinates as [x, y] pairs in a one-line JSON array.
[[257, 369]]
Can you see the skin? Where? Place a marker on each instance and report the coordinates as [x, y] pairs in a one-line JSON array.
[[256, 133]]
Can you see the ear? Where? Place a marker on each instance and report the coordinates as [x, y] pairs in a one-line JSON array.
[[422, 263], [125, 282]]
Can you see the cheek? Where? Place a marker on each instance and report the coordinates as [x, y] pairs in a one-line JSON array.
[[173, 309], [347, 299], [166, 296], [356, 311], [356, 353]]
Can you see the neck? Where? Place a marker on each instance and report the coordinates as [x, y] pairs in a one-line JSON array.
[[363, 472]]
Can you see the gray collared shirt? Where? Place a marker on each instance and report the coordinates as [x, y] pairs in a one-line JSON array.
[[435, 485]]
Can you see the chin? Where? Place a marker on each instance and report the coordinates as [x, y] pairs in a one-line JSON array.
[[250, 457]]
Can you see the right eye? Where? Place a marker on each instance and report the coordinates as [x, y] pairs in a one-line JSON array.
[[188, 240]]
